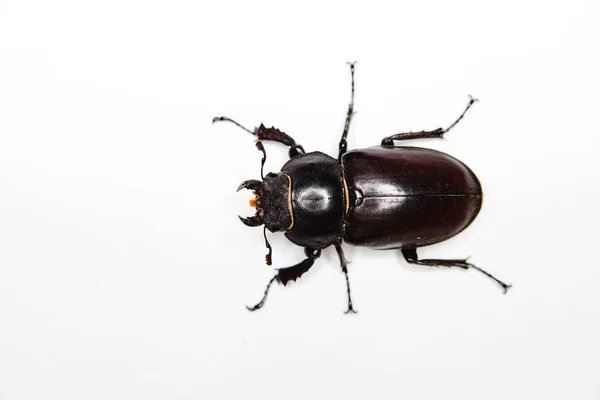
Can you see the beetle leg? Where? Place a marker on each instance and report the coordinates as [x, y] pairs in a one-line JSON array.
[[412, 258], [344, 264], [272, 133], [284, 275], [343, 142], [438, 133]]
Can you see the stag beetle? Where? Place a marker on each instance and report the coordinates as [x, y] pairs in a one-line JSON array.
[[386, 197]]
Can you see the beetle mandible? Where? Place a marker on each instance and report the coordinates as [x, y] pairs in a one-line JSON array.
[[386, 197]]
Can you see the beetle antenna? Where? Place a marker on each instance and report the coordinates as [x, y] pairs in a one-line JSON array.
[[217, 119], [260, 147], [270, 253]]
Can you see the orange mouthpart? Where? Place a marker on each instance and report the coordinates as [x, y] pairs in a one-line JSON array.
[[253, 202]]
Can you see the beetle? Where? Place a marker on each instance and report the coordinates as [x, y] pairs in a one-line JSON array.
[[388, 197]]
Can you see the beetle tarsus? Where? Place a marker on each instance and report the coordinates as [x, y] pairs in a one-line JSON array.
[[435, 134], [343, 147], [262, 301], [505, 286], [218, 119], [472, 101], [410, 255], [344, 265]]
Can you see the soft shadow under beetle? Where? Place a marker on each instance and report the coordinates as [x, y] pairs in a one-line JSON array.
[[386, 197]]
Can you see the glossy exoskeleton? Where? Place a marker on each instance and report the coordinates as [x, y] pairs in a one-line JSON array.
[[386, 197]]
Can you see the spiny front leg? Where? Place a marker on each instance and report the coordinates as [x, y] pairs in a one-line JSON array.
[[284, 275], [273, 134]]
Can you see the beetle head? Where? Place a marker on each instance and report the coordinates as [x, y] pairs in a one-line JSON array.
[[272, 202]]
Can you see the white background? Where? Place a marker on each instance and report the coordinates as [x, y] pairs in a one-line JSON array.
[[124, 271]]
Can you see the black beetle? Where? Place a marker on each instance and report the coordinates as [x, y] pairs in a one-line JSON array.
[[386, 197]]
